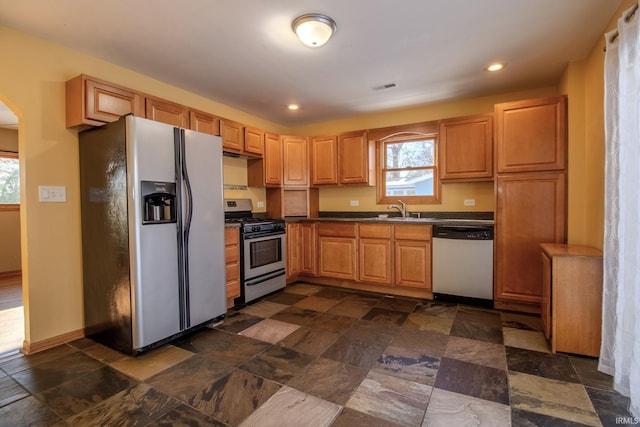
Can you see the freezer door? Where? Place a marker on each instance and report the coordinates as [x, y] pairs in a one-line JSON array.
[[204, 227], [153, 247]]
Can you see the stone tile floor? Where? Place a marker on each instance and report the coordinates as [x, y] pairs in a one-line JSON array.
[[320, 356]]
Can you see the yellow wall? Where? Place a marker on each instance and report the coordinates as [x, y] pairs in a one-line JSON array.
[[9, 220], [32, 85], [583, 81]]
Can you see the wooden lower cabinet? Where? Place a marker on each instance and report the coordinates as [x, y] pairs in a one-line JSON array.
[[232, 261], [412, 248], [337, 250], [375, 257], [308, 239], [572, 298]]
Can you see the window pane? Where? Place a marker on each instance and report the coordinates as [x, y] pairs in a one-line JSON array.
[[9, 181], [409, 183], [409, 154]]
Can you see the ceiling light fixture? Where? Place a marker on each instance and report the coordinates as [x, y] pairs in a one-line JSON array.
[[293, 107], [314, 29], [495, 67]]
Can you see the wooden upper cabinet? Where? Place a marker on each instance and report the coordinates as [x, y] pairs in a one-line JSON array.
[[466, 148], [93, 102], [254, 140], [531, 135], [295, 158], [167, 112], [272, 160], [232, 135], [356, 157], [324, 160], [204, 122]]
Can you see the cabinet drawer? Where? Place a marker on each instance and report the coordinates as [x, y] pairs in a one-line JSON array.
[[231, 254], [412, 232], [337, 229], [375, 231], [233, 272]]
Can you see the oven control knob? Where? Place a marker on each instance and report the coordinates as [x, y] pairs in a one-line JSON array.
[[255, 228], [278, 226]]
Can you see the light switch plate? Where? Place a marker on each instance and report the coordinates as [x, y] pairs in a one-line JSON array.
[[355, 203], [260, 204], [469, 202], [52, 194]]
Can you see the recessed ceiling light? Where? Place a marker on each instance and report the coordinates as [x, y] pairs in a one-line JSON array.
[[495, 67], [293, 107]]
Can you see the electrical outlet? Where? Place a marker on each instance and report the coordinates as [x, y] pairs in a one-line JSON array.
[[354, 202], [261, 204], [52, 194], [469, 202]]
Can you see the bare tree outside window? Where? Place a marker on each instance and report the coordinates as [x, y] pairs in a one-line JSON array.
[[9, 179]]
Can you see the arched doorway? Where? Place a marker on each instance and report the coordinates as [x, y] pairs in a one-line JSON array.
[[11, 300]]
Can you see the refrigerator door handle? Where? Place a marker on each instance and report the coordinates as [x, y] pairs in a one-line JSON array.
[[186, 227], [180, 195]]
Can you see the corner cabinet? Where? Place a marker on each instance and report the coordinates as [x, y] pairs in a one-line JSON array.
[[572, 298], [466, 148]]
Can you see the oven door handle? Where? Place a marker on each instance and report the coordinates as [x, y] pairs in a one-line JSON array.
[[257, 280], [263, 235]]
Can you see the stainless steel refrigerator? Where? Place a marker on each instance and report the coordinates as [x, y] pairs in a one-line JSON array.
[[152, 232]]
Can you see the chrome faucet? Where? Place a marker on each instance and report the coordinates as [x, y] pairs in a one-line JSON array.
[[402, 208]]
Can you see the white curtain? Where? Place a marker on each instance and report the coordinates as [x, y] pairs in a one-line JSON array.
[[620, 352]]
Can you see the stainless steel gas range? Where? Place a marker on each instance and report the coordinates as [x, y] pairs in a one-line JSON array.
[[262, 250]]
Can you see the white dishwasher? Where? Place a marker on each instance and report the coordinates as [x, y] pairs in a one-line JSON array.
[[462, 265]]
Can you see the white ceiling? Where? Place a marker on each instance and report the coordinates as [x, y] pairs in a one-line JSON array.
[[243, 53]]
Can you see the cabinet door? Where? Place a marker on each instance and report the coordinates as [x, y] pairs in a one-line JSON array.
[[295, 161], [254, 140], [272, 160], [293, 250], [167, 112], [232, 134], [324, 160], [203, 122], [356, 158], [308, 249], [530, 209], [232, 261], [336, 257], [531, 135], [466, 148], [413, 263], [93, 102], [374, 258]]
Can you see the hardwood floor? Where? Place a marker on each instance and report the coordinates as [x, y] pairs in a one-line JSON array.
[[11, 315]]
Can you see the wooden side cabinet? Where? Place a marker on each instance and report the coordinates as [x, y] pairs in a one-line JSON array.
[[466, 148], [293, 250], [572, 298], [232, 261]]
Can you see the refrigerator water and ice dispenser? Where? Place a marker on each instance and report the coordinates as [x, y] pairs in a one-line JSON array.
[[159, 200]]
